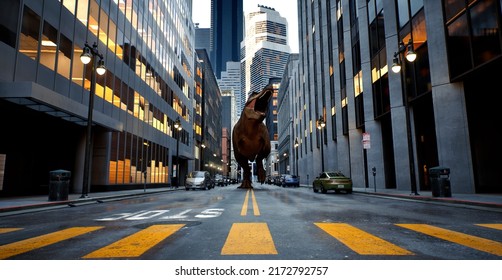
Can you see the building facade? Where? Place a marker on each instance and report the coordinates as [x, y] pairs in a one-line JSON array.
[[434, 112], [147, 50], [211, 116]]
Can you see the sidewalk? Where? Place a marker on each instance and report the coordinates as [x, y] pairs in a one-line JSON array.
[[484, 200], [36, 203], [39, 202]]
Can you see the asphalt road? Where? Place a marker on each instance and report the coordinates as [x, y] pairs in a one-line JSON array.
[[266, 223]]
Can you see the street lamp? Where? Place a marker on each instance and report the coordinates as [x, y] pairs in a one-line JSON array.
[[90, 53], [177, 127], [396, 68], [410, 55], [296, 155], [320, 125]]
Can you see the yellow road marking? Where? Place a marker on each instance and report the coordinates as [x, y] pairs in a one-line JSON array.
[[478, 243], [26, 245], [244, 209], [256, 210], [249, 239], [494, 226], [5, 230], [361, 242], [136, 244]]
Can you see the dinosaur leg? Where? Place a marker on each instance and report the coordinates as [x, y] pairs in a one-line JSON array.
[[246, 180]]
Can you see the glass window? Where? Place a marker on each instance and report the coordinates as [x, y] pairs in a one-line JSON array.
[[453, 7], [402, 12], [415, 6], [459, 49], [8, 22], [70, 5], [77, 75], [82, 11], [28, 41], [64, 56], [48, 47], [485, 31]]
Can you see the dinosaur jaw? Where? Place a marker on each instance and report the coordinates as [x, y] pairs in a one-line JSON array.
[[257, 104]]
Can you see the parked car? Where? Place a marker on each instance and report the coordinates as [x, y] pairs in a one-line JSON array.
[[290, 180], [199, 180], [219, 180], [332, 181]]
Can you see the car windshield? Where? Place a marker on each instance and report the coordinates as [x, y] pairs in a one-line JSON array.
[[196, 174], [336, 174], [290, 177]]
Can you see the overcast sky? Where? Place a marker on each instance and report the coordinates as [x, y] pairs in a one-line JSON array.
[[202, 15]]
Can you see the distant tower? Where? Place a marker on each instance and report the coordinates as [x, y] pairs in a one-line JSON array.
[[227, 18]]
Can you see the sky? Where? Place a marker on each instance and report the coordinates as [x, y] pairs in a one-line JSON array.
[[201, 14]]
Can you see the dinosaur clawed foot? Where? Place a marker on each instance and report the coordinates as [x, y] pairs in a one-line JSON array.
[[246, 184]]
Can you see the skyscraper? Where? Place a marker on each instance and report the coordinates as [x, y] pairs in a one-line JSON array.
[[226, 33], [264, 50]]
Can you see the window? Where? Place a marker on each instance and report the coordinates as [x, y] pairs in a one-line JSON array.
[[8, 22], [28, 41]]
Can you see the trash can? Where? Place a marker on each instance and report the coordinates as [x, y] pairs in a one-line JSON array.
[[440, 181], [59, 184]]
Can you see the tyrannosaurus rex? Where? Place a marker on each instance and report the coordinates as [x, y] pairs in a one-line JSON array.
[[250, 137]]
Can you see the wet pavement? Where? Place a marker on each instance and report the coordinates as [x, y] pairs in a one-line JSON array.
[[40, 202]]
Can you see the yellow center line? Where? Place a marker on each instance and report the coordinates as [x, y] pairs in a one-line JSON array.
[[244, 209], [494, 226], [26, 245], [137, 244], [361, 242], [256, 210], [249, 239], [5, 230], [478, 243]]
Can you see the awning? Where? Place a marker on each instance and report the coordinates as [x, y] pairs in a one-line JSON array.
[[39, 98]]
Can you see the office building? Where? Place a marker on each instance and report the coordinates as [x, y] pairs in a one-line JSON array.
[[147, 50], [385, 113]]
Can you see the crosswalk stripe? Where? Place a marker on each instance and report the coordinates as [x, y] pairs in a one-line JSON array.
[[5, 230], [478, 243], [26, 245], [137, 244], [494, 226], [249, 239], [361, 242]]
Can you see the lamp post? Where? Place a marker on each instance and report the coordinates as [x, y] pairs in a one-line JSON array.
[[177, 127], [90, 53], [396, 68], [296, 156], [203, 146], [146, 166], [320, 125]]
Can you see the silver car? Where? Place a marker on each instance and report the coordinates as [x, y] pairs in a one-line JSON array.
[[199, 180]]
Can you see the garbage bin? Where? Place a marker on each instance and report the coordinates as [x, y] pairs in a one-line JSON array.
[[59, 184], [440, 181]]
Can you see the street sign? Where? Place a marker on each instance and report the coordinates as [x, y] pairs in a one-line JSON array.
[[366, 140]]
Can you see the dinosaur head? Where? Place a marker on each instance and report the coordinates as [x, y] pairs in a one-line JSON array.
[[257, 105]]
